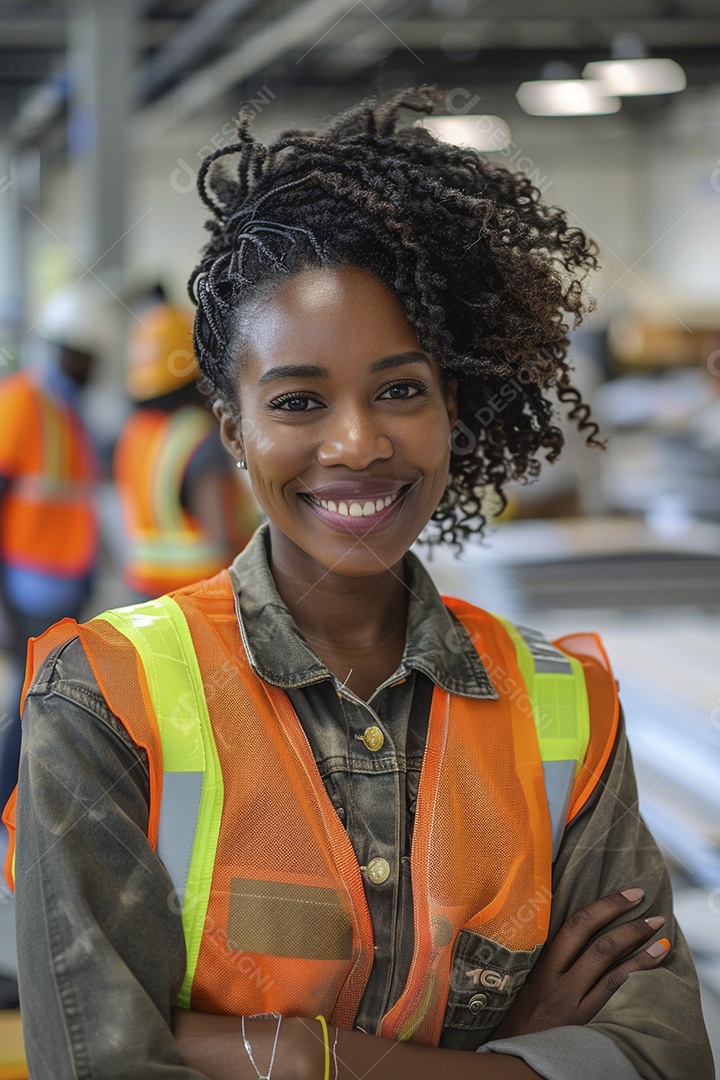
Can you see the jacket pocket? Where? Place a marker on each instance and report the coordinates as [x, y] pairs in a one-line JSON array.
[[484, 981]]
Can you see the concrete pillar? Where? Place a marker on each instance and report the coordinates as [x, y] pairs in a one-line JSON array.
[[100, 57], [19, 188]]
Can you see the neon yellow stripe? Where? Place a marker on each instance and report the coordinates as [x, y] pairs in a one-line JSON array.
[[559, 704], [188, 428], [563, 720], [185, 550], [159, 631], [525, 663], [56, 463]]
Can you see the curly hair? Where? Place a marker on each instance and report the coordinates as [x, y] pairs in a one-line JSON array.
[[488, 275]]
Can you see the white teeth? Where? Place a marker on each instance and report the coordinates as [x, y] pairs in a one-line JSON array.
[[357, 509]]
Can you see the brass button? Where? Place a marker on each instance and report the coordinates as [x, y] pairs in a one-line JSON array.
[[378, 870], [373, 738], [477, 1003]]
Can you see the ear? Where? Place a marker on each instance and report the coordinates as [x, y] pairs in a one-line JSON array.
[[230, 432], [451, 402]]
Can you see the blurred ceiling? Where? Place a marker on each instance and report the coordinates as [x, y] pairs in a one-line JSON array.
[[197, 54]]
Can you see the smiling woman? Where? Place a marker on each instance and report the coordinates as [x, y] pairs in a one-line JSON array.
[[362, 417], [308, 815], [347, 450]]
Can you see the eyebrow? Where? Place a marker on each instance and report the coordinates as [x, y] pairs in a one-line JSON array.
[[313, 371]]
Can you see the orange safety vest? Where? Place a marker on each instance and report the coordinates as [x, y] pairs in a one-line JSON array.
[[275, 911], [49, 522], [167, 546]]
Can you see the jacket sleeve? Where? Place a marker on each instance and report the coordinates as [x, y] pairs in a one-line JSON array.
[[652, 1027], [101, 952]]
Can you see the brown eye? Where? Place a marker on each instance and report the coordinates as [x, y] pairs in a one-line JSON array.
[[294, 403], [401, 391]]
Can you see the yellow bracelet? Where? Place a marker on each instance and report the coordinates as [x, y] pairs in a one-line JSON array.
[[326, 1036]]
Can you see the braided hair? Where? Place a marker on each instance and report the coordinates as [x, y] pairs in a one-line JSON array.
[[488, 276]]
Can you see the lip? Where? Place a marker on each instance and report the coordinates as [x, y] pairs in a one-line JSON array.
[[358, 526], [357, 490]]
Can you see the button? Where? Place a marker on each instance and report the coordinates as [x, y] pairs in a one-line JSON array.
[[378, 870], [372, 737], [477, 1003]]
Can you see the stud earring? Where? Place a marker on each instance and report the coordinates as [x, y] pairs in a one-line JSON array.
[[242, 464]]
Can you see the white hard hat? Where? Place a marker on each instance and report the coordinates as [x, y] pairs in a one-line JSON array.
[[79, 317]]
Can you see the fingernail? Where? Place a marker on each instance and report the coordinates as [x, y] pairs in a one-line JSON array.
[[633, 895], [655, 921], [659, 948]]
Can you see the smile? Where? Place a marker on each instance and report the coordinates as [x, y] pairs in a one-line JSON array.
[[353, 508]]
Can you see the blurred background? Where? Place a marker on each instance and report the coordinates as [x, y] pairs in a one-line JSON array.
[[613, 110]]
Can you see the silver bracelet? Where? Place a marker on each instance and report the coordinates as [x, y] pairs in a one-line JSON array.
[[334, 1051], [268, 1074]]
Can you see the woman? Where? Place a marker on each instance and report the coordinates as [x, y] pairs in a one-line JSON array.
[[376, 807]]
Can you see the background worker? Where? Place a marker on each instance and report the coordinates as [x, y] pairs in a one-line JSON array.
[[185, 510], [48, 521]]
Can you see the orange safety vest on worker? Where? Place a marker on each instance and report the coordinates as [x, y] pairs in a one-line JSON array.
[[168, 547], [49, 522], [273, 906]]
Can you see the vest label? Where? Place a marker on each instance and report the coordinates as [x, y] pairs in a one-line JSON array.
[[492, 980]]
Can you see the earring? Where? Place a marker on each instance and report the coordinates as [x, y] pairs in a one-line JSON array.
[[242, 464]]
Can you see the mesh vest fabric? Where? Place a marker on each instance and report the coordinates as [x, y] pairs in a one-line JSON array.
[[168, 547], [286, 925], [49, 523]]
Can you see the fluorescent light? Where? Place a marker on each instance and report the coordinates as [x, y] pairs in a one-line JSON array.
[[566, 97], [634, 77], [484, 133]]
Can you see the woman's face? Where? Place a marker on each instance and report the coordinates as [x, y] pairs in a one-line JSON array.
[[344, 421]]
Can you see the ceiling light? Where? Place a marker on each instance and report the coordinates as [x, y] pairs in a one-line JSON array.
[[486, 133], [566, 97], [633, 77]]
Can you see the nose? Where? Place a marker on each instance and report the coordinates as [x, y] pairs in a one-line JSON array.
[[355, 440]]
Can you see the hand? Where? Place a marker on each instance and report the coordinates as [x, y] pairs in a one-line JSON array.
[[573, 979]]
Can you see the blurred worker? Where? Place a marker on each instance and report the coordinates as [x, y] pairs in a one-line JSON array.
[[186, 512], [48, 523]]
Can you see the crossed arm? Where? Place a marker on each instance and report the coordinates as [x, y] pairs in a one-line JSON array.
[[101, 951], [574, 978]]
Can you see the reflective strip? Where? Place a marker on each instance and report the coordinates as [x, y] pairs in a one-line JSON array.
[[55, 445], [179, 813], [559, 783], [159, 631], [187, 431], [181, 549], [546, 656], [48, 487], [555, 685]]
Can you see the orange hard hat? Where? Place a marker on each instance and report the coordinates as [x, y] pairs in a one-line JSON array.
[[160, 355]]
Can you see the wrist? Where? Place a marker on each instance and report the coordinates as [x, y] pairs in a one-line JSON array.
[[301, 1050]]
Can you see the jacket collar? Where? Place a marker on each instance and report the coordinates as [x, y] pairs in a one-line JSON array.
[[436, 644]]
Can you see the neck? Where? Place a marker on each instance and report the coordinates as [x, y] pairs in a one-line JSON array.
[[354, 614]]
